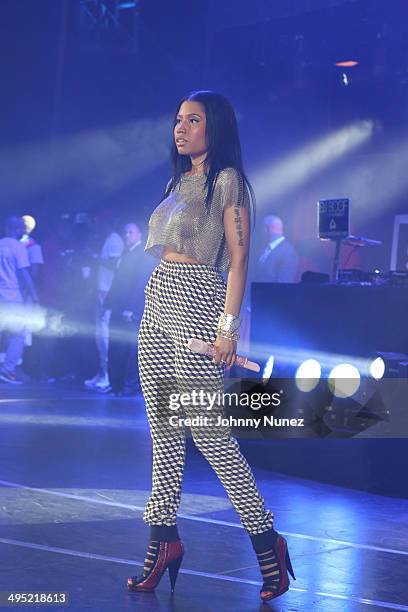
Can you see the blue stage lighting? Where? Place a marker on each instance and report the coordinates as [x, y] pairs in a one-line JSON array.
[[344, 380], [377, 368], [267, 372], [308, 375]]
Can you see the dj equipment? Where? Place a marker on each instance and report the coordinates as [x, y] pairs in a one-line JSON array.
[[356, 276], [333, 220]]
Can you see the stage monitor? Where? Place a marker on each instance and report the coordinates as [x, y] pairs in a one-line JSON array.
[[399, 251], [333, 218]]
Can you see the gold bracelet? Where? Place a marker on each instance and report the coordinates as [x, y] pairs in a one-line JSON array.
[[228, 335], [228, 322]]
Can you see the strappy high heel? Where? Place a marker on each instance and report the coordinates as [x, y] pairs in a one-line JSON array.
[[274, 562], [160, 556]]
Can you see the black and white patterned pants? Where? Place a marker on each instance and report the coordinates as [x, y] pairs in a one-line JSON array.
[[184, 301]]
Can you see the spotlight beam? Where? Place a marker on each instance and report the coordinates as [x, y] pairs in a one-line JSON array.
[[107, 159], [274, 180]]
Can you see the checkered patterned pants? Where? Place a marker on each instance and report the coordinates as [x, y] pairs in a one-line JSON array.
[[184, 301]]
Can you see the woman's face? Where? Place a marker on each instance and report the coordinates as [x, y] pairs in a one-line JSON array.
[[189, 131]]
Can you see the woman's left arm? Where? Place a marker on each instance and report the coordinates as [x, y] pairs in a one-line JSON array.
[[237, 235]]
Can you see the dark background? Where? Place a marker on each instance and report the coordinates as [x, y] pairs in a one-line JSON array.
[[88, 90]]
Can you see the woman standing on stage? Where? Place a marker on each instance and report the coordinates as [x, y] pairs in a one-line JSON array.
[[200, 229]]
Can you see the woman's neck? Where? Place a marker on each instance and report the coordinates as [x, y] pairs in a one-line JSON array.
[[198, 165]]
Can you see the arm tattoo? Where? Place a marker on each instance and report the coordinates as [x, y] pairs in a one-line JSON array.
[[238, 225]]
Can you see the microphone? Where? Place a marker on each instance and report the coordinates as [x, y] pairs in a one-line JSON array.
[[203, 348]]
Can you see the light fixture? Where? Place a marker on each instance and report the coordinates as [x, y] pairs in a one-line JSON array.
[[388, 365], [377, 368], [267, 372], [347, 64], [29, 223], [308, 375], [344, 380]]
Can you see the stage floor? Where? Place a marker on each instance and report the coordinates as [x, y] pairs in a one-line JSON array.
[[75, 475]]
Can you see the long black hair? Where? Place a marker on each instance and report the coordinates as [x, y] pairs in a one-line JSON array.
[[223, 144]]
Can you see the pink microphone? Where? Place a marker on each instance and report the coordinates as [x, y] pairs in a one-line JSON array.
[[203, 348]]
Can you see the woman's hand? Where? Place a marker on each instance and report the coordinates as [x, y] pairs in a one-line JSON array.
[[226, 351]]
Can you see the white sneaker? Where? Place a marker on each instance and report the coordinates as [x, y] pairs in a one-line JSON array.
[[91, 382], [103, 384]]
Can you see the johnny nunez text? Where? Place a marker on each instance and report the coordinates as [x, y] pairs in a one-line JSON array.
[[207, 421]]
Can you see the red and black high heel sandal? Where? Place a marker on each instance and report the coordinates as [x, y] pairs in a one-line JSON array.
[[160, 556], [274, 561]]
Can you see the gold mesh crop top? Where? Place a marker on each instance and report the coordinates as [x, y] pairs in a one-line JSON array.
[[181, 220]]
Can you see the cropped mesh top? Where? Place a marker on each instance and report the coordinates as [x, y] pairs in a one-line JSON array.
[[181, 221]]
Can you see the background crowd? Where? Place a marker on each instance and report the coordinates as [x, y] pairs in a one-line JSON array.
[[70, 307]]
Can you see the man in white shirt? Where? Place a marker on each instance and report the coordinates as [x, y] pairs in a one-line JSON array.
[[14, 272], [36, 260], [35, 256], [112, 250]]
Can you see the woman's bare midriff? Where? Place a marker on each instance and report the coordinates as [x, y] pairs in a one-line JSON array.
[[169, 255]]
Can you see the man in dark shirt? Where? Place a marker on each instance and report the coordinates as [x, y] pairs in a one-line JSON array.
[[279, 261], [126, 300]]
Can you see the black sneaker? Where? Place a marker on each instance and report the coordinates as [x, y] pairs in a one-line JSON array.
[[9, 377]]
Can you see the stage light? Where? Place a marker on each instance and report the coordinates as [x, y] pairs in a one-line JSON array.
[[388, 365], [344, 380], [29, 223], [347, 64], [267, 373], [308, 375], [377, 368]]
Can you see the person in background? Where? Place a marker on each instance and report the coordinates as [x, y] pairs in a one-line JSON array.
[[276, 261], [14, 272], [108, 259], [36, 259], [279, 261], [126, 299], [34, 251]]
